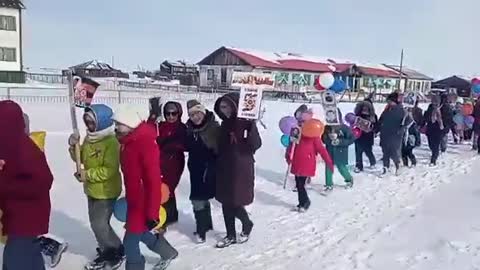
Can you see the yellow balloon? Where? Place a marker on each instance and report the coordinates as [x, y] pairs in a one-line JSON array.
[[38, 137], [162, 217]]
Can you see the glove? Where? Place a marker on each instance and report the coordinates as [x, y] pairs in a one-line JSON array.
[[152, 224], [73, 139]]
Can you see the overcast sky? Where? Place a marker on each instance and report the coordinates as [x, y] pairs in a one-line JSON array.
[[440, 37]]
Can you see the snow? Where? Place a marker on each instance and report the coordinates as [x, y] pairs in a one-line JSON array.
[[424, 219]]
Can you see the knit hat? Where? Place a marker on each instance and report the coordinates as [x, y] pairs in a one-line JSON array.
[[194, 106], [130, 116]]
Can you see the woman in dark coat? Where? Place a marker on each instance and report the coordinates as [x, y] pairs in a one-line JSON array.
[[201, 144], [364, 144], [171, 140], [238, 141]]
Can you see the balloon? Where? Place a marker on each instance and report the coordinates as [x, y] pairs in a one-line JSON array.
[[469, 120], [338, 86], [287, 123], [476, 88], [162, 217], [326, 80], [356, 132], [38, 137], [313, 128], [467, 109], [285, 140], [165, 193], [120, 210], [350, 118], [475, 81], [3, 238], [458, 119], [317, 85]]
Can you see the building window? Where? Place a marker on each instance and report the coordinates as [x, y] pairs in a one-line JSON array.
[[8, 23], [210, 74], [8, 54]]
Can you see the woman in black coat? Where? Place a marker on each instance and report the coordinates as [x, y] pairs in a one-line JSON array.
[[201, 144], [238, 141], [364, 144]]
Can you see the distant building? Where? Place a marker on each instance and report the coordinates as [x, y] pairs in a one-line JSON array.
[[455, 84], [11, 53], [414, 80], [293, 72], [186, 73], [97, 69]]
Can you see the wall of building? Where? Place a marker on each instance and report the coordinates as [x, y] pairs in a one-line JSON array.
[[217, 73], [11, 39]]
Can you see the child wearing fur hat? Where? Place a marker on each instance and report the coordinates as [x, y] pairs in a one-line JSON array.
[[103, 182], [139, 160], [202, 148]]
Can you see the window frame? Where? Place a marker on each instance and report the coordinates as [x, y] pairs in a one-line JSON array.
[[4, 19], [3, 54]]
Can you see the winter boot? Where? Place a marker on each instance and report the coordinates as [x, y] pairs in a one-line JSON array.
[[349, 184], [209, 217], [203, 220], [357, 170], [226, 242], [114, 258], [52, 250], [98, 263]]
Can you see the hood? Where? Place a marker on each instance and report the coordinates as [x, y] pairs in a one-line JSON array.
[[131, 116], [209, 118], [144, 131], [103, 116], [232, 99], [177, 105], [13, 128], [359, 108]]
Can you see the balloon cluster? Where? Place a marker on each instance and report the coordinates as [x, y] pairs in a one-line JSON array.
[[465, 117], [328, 81], [476, 87], [120, 207], [350, 119], [311, 128]]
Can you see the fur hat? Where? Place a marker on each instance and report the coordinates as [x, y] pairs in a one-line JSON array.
[[130, 116], [393, 97], [195, 106]]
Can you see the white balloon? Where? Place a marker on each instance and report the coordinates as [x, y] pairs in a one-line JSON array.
[[326, 80]]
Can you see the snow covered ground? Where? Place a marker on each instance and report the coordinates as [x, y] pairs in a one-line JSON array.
[[423, 219]]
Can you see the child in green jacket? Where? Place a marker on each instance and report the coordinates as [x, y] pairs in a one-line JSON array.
[[102, 184], [337, 139]]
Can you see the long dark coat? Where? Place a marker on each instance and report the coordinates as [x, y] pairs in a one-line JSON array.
[[391, 125], [201, 144], [238, 141]]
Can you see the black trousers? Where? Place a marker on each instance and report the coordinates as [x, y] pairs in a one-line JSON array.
[[229, 215], [302, 192], [361, 148], [407, 155], [391, 152], [434, 145]]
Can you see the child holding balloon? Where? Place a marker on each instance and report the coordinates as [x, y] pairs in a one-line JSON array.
[[139, 159], [103, 182]]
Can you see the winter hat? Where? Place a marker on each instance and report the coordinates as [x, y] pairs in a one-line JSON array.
[[194, 106], [393, 97], [130, 116], [102, 114]]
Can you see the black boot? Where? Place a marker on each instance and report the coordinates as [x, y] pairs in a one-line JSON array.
[[202, 225], [209, 217]]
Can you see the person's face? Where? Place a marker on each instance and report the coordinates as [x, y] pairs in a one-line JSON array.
[[196, 117], [121, 130], [365, 110], [226, 109], [391, 103], [89, 123], [171, 115]]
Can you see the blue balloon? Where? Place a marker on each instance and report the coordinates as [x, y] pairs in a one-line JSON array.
[[120, 210], [338, 86], [285, 140], [476, 88], [458, 119]]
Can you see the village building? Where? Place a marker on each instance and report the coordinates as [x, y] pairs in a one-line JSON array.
[[414, 80], [97, 69], [11, 53]]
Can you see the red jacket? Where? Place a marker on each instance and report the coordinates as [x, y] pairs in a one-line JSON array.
[[139, 158], [304, 162], [25, 180], [171, 141]]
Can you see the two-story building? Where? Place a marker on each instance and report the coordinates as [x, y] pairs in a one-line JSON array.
[[11, 55]]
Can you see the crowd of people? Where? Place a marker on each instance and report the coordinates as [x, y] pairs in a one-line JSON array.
[[148, 149]]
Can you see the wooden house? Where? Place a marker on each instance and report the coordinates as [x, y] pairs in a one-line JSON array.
[[97, 69], [186, 73], [414, 80]]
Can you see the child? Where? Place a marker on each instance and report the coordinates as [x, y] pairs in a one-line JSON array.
[[337, 139], [25, 182], [201, 143], [171, 141], [103, 183], [302, 154], [237, 143], [411, 140], [140, 159]]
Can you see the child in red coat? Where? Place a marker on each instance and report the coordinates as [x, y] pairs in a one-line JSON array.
[[25, 182], [139, 159]]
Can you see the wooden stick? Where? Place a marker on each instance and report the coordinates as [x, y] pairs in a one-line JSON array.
[[73, 116]]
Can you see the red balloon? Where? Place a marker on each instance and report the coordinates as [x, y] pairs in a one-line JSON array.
[[318, 86], [357, 132], [475, 81]]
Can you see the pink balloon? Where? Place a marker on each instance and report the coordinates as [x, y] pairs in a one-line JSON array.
[[357, 132]]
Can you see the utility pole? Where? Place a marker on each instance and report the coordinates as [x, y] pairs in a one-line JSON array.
[[401, 74]]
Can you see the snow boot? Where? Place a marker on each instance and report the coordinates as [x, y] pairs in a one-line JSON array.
[[349, 184], [246, 231], [327, 188], [357, 170], [162, 264], [203, 219], [98, 263], [226, 242], [52, 250]]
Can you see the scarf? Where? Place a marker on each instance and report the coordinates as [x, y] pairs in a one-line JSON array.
[[94, 137]]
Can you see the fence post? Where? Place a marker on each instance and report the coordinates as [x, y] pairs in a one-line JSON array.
[[119, 97], [8, 93]]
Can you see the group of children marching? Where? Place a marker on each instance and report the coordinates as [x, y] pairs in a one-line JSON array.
[[148, 151]]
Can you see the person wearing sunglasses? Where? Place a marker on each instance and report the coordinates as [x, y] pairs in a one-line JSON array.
[[171, 142], [238, 141]]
